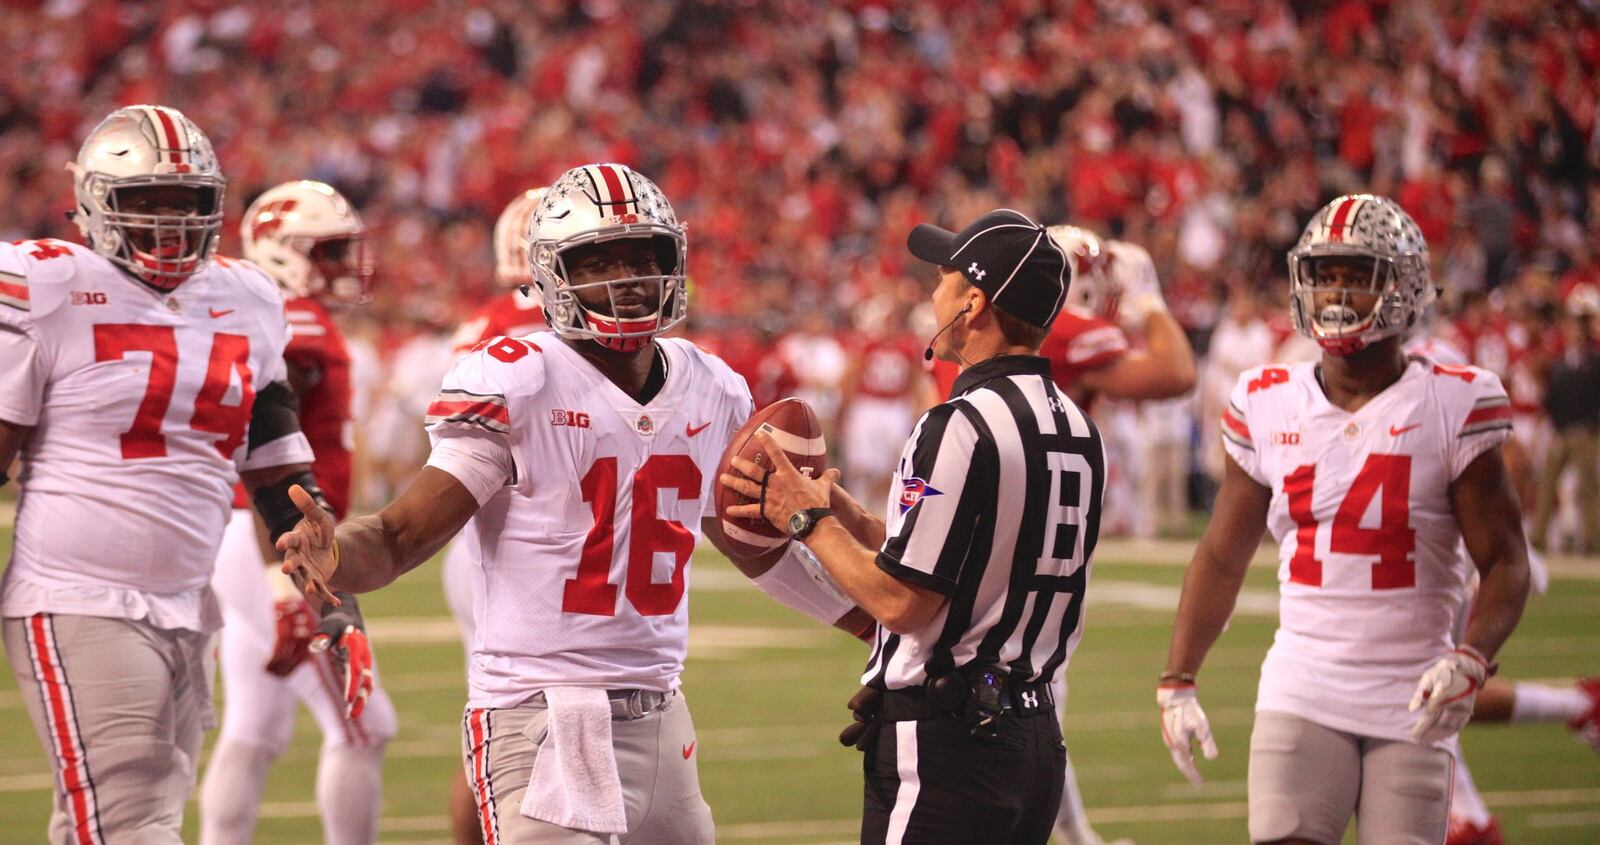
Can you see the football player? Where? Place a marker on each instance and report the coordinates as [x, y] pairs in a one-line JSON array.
[[144, 374], [585, 459], [878, 401], [1519, 702], [513, 313], [309, 239], [1370, 467]]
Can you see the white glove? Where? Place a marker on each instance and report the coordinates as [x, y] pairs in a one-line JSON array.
[[1182, 724], [1445, 695], [1135, 288]]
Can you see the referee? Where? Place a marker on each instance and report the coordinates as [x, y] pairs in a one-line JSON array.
[[977, 580]]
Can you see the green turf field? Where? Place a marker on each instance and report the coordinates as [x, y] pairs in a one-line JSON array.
[[768, 690]]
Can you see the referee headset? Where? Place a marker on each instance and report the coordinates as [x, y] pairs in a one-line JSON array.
[[927, 354]]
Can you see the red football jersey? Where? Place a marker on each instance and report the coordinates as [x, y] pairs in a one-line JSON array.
[[888, 368], [1080, 341], [508, 315], [319, 367]]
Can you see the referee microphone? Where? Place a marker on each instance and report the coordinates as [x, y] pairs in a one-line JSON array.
[[927, 354]]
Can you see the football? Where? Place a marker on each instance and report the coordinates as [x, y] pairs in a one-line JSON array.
[[794, 425]]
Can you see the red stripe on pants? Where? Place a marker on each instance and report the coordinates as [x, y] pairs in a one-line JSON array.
[[479, 734], [79, 791]]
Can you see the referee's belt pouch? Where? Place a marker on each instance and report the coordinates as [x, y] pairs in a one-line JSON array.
[[977, 696]]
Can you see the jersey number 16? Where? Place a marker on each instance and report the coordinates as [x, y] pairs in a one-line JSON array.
[[591, 591]]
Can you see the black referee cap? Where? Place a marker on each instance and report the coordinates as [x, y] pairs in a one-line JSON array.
[[1007, 256]]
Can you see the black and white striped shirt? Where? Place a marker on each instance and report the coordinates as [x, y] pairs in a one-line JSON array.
[[996, 505]]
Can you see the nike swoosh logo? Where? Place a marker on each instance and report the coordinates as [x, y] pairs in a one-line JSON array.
[[688, 750], [1396, 432], [222, 313], [693, 430]]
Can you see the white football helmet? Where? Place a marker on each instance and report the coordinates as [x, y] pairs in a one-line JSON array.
[[135, 149], [594, 204], [309, 238], [1373, 228], [511, 240], [1088, 255]]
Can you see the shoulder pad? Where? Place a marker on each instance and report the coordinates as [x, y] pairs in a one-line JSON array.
[[37, 273], [1265, 377], [501, 365], [250, 277], [726, 379]]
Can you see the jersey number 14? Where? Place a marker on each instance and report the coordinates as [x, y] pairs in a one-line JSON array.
[[1393, 542]]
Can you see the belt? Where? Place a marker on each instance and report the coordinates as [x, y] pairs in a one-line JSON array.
[[1019, 700], [626, 704]]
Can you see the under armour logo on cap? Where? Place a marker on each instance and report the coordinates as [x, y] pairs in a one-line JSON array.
[[1007, 256]]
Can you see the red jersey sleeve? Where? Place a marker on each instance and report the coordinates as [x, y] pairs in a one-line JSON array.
[[1081, 341]]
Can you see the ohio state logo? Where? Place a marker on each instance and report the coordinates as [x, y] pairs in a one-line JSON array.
[[914, 490], [645, 425]]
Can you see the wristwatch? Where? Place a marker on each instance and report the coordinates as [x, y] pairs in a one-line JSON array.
[[803, 521]]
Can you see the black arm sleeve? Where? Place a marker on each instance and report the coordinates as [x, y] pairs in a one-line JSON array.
[[275, 414], [277, 510]]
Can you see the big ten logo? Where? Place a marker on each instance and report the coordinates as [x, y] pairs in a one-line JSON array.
[[1286, 438], [88, 297], [570, 419]]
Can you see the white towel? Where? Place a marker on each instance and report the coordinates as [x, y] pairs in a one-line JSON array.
[[575, 782]]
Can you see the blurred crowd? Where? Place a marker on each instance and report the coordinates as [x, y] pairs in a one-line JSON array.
[[801, 140]]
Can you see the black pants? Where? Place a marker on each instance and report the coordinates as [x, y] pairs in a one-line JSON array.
[[931, 781]]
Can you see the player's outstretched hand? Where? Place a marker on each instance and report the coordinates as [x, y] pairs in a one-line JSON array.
[[296, 624], [1183, 724], [309, 555], [1445, 694], [343, 634], [780, 492]]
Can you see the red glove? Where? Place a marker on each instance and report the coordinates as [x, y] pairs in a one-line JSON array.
[[296, 624], [342, 634]]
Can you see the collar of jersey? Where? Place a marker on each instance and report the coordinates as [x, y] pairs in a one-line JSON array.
[[1000, 366], [619, 399], [1415, 365]]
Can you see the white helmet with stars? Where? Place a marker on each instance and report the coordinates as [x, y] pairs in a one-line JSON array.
[[595, 204], [1372, 229], [134, 149], [511, 239], [1088, 255], [310, 239]]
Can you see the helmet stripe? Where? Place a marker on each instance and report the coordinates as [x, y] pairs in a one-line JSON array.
[[1341, 219], [616, 186], [174, 147]]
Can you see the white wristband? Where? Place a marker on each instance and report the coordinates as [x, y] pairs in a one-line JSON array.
[[797, 581]]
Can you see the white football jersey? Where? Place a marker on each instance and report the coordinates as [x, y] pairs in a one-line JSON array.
[[1370, 575], [584, 556], [140, 403]]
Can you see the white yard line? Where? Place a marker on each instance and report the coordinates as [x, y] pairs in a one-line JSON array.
[[1193, 811]]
